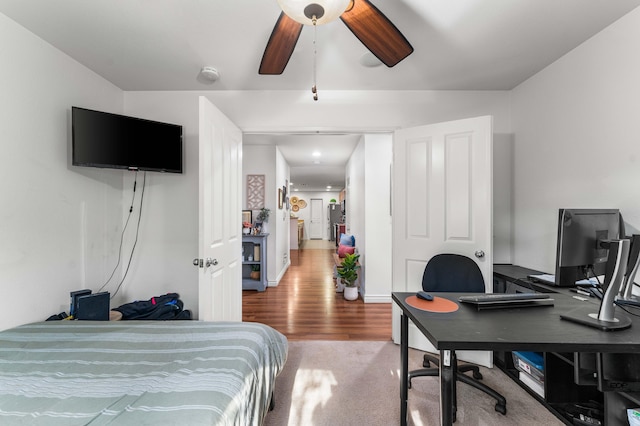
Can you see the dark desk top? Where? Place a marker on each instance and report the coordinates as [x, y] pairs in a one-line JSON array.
[[513, 329], [519, 275], [513, 271]]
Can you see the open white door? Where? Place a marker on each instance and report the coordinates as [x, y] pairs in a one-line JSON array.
[[442, 203], [220, 239]]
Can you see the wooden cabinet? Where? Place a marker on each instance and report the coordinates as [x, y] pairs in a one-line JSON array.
[[296, 229], [254, 259]]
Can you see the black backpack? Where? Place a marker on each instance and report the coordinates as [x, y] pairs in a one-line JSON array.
[[165, 307]]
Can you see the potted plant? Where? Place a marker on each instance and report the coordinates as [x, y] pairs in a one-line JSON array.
[[263, 217], [246, 228], [255, 272], [348, 273]]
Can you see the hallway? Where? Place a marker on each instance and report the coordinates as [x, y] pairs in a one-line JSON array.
[[305, 305]]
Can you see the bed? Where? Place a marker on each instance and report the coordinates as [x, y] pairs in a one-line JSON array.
[[138, 373]]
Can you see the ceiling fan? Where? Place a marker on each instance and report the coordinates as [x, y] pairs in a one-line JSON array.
[[365, 21]]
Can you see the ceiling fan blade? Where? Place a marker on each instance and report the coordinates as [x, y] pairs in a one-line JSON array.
[[280, 46], [377, 32]]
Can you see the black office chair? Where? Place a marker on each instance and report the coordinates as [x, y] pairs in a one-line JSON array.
[[458, 274]]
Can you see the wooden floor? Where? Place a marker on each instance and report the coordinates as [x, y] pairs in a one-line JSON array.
[[305, 305]]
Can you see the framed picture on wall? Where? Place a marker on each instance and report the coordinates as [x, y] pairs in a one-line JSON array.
[[280, 197], [247, 216]]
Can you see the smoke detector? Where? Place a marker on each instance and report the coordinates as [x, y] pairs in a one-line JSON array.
[[210, 74]]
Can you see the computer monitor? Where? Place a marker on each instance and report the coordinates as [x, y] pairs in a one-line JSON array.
[[580, 254]]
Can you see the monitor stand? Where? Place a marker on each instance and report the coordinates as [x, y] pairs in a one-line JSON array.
[[586, 316], [604, 319]]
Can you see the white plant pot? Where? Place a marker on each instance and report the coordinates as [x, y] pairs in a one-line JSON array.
[[351, 293]]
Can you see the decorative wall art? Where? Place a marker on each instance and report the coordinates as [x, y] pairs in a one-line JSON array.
[[297, 203], [280, 198], [255, 192]]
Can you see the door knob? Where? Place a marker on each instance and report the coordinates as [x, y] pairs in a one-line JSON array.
[[197, 262], [210, 262], [479, 254]]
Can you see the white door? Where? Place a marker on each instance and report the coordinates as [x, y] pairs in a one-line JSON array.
[[220, 237], [442, 203], [315, 228]]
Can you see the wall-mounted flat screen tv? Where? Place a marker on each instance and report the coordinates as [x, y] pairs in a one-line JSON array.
[[102, 139]]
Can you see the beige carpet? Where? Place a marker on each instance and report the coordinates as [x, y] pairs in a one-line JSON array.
[[356, 383]]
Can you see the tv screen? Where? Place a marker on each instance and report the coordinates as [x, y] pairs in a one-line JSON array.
[[102, 139]]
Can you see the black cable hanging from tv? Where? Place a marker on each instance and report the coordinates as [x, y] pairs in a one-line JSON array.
[[135, 242], [115, 268]]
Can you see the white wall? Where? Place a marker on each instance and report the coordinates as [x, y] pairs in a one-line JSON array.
[[168, 240], [576, 139], [281, 259], [377, 218], [261, 160], [355, 192], [368, 174], [59, 224], [305, 214]]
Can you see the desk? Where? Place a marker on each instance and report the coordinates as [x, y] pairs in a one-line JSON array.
[[518, 329]]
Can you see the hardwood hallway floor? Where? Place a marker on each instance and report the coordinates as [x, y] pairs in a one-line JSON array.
[[305, 305]]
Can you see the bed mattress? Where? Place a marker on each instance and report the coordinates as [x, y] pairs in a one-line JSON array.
[[138, 373]]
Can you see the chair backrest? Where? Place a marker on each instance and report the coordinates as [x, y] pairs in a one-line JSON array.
[[452, 273]]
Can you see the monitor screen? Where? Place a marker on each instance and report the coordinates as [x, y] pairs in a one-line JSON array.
[[101, 139], [579, 253]]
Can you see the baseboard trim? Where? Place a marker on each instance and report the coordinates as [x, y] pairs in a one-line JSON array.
[[377, 298], [277, 280]]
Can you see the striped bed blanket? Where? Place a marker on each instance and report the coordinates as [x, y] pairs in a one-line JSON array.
[[138, 373]]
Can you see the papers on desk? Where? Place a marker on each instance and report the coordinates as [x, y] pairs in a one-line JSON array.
[[591, 281], [551, 279], [543, 278]]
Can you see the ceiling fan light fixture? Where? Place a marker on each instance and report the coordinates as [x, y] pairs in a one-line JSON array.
[[299, 10]]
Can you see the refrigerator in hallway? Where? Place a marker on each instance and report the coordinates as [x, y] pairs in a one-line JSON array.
[[334, 216]]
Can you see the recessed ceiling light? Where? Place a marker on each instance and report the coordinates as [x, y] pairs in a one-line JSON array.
[[316, 154], [328, 186]]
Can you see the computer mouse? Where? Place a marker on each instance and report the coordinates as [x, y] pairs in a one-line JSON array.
[[424, 295]]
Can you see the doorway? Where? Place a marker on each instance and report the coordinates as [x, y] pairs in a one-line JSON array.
[[315, 227]]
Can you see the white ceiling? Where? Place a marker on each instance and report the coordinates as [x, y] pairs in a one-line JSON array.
[[459, 45]]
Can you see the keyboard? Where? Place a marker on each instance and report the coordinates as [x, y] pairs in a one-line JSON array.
[[507, 300]]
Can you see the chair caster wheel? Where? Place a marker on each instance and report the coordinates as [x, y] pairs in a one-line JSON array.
[[502, 409], [477, 375]]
